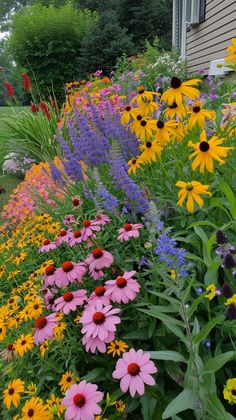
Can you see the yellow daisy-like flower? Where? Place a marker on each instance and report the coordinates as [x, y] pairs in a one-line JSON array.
[[142, 128], [24, 344], [230, 391], [128, 113], [35, 410], [54, 405], [77, 319], [231, 58], [120, 406], [143, 96], [66, 381], [11, 395], [44, 348], [2, 271], [206, 152], [179, 89], [211, 291], [148, 107], [13, 274], [134, 164], [164, 130], [231, 300], [117, 347], [3, 331], [35, 308], [31, 389], [150, 151], [175, 109], [58, 331], [199, 115], [20, 257], [192, 191]]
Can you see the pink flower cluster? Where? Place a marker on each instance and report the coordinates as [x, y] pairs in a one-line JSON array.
[[72, 238]]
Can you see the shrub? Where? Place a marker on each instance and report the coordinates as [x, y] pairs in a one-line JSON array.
[[48, 41], [104, 43]]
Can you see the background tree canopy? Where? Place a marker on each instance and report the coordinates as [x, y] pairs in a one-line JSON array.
[[60, 42], [48, 41]]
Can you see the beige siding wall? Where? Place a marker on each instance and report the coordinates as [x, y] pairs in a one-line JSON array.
[[208, 40]]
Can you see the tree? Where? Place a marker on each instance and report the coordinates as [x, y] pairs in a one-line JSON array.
[[146, 19], [104, 44], [47, 42]]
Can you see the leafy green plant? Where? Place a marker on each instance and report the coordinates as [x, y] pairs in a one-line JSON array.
[[47, 40], [30, 134]]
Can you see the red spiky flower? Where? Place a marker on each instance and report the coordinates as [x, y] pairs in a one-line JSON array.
[[9, 88], [26, 82]]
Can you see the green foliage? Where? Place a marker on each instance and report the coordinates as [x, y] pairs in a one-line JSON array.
[[104, 43], [47, 41], [147, 19], [31, 135]]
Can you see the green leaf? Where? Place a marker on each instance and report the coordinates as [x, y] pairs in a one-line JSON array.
[[193, 307], [206, 255], [148, 404], [94, 374], [215, 408], [174, 356], [230, 197], [203, 223], [164, 318], [217, 362], [184, 401], [165, 296], [206, 329]]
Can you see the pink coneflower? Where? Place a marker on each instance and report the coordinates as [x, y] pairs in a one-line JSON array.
[[123, 288], [129, 231], [99, 294], [64, 236], [99, 259], [93, 344], [49, 277], [69, 219], [96, 274], [44, 328], [134, 370], [89, 227], [99, 321], [69, 301], [76, 238], [102, 219], [69, 272], [47, 246], [81, 401]]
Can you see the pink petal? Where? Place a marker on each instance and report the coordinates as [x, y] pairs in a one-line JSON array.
[[124, 383]]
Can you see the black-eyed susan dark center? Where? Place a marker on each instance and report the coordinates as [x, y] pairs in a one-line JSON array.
[[204, 146], [143, 123], [148, 144], [196, 109], [139, 117], [173, 106], [175, 82], [160, 124]]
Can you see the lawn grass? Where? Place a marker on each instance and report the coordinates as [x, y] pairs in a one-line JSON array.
[[9, 181]]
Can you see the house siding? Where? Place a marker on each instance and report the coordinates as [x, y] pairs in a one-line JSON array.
[[209, 40]]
